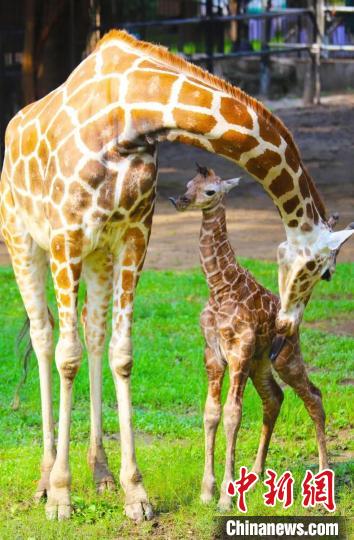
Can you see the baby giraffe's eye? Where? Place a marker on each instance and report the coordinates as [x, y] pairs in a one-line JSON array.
[[210, 192]]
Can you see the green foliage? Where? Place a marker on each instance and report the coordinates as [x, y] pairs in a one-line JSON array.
[[169, 388]]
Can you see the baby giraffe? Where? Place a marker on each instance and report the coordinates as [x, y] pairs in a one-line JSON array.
[[238, 324]]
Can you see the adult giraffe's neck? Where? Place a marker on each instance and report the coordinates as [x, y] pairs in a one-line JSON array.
[[259, 143], [229, 123], [216, 254]]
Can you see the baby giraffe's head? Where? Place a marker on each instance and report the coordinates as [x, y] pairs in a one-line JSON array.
[[204, 191]]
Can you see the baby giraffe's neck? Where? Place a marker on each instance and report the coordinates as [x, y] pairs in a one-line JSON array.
[[216, 254]]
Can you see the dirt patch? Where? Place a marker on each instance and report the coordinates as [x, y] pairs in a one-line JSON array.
[[347, 382], [141, 438], [325, 136], [339, 327], [338, 445]]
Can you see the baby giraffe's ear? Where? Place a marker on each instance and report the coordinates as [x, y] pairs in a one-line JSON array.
[[227, 185]]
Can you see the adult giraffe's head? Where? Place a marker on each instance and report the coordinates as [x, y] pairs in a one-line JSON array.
[[204, 191], [303, 260]]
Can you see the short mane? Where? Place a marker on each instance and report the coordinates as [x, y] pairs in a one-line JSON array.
[[181, 65]]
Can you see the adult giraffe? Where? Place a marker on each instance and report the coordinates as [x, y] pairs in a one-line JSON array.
[[78, 183]]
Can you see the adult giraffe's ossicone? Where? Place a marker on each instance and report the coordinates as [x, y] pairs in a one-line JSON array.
[[78, 183]]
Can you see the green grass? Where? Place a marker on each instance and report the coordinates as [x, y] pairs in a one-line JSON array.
[[169, 388]]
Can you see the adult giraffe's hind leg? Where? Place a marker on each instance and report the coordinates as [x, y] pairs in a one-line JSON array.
[[30, 268], [127, 266], [291, 368], [97, 272]]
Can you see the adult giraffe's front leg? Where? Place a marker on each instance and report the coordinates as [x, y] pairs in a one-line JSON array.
[[97, 273], [127, 267], [66, 270]]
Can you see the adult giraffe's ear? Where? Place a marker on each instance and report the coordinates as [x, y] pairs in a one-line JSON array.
[[338, 238], [227, 185]]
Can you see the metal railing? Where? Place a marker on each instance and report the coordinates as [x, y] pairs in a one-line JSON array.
[[208, 21]]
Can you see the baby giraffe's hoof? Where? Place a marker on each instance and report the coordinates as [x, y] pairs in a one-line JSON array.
[[207, 492], [225, 503], [258, 471], [139, 511], [206, 497]]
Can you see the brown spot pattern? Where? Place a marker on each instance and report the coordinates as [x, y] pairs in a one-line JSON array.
[[191, 94], [29, 140], [233, 144], [290, 205], [260, 166], [282, 184], [194, 121], [235, 112], [150, 87], [146, 121], [99, 132], [268, 132], [291, 159]]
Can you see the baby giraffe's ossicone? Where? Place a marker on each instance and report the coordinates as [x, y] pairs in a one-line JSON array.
[[239, 326]]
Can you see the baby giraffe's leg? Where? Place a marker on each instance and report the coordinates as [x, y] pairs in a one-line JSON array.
[[272, 397], [97, 272], [239, 358], [291, 368], [212, 413]]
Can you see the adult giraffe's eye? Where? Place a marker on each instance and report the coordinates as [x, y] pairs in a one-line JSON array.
[[326, 275], [210, 192]]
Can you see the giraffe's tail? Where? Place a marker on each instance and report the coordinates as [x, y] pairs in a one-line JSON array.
[[24, 357]]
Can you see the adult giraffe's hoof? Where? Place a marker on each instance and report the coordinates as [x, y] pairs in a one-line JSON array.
[[42, 489], [139, 511], [43, 484], [58, 505], [105, 484], [102, 476]]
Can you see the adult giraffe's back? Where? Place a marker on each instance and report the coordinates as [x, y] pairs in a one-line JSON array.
[[78, 183]]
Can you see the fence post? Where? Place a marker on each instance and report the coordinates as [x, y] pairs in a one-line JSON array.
[[320, 34], [265, 60], [209, 36], [312, 80]]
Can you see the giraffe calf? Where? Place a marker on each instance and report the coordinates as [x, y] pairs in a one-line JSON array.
[[238, 324]]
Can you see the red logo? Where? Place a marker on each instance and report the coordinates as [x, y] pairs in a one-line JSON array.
[[318, 489], [241, 486], [281, 489]]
